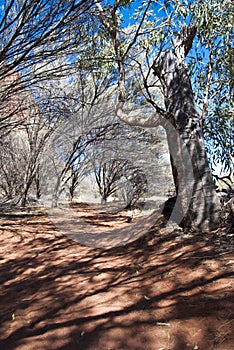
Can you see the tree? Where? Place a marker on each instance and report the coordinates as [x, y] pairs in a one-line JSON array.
[[195, 189], [108, 176], [37, 132], [21, 154], [32, 36], [213, 77], [129, 162], [12, 166], [135, 186], [198, 200], [81, 105]]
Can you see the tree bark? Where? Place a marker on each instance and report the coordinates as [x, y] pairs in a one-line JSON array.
[[193, 181]]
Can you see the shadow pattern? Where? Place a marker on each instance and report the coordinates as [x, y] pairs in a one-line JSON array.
[[166, 290]]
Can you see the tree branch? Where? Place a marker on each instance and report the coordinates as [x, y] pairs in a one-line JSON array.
[[207, 88], [137, 33], [153, 120], [184, 40]]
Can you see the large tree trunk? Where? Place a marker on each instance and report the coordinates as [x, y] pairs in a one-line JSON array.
[[197, 203], [193, 181]]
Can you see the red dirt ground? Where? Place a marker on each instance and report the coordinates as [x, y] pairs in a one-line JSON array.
[[166, 290]]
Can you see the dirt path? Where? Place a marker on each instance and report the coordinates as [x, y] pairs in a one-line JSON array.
[[165, 290]]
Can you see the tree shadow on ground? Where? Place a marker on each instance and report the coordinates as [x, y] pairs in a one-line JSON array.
[[165, 290]]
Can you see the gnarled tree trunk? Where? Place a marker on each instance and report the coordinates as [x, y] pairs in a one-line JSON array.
[[193, 181]]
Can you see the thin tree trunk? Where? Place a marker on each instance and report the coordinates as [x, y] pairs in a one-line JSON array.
[[25, 195]]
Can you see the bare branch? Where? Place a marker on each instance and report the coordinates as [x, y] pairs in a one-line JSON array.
[[153, 120], [138, 30], [207, 89]]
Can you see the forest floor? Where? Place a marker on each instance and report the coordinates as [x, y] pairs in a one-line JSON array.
[[109, 281]]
